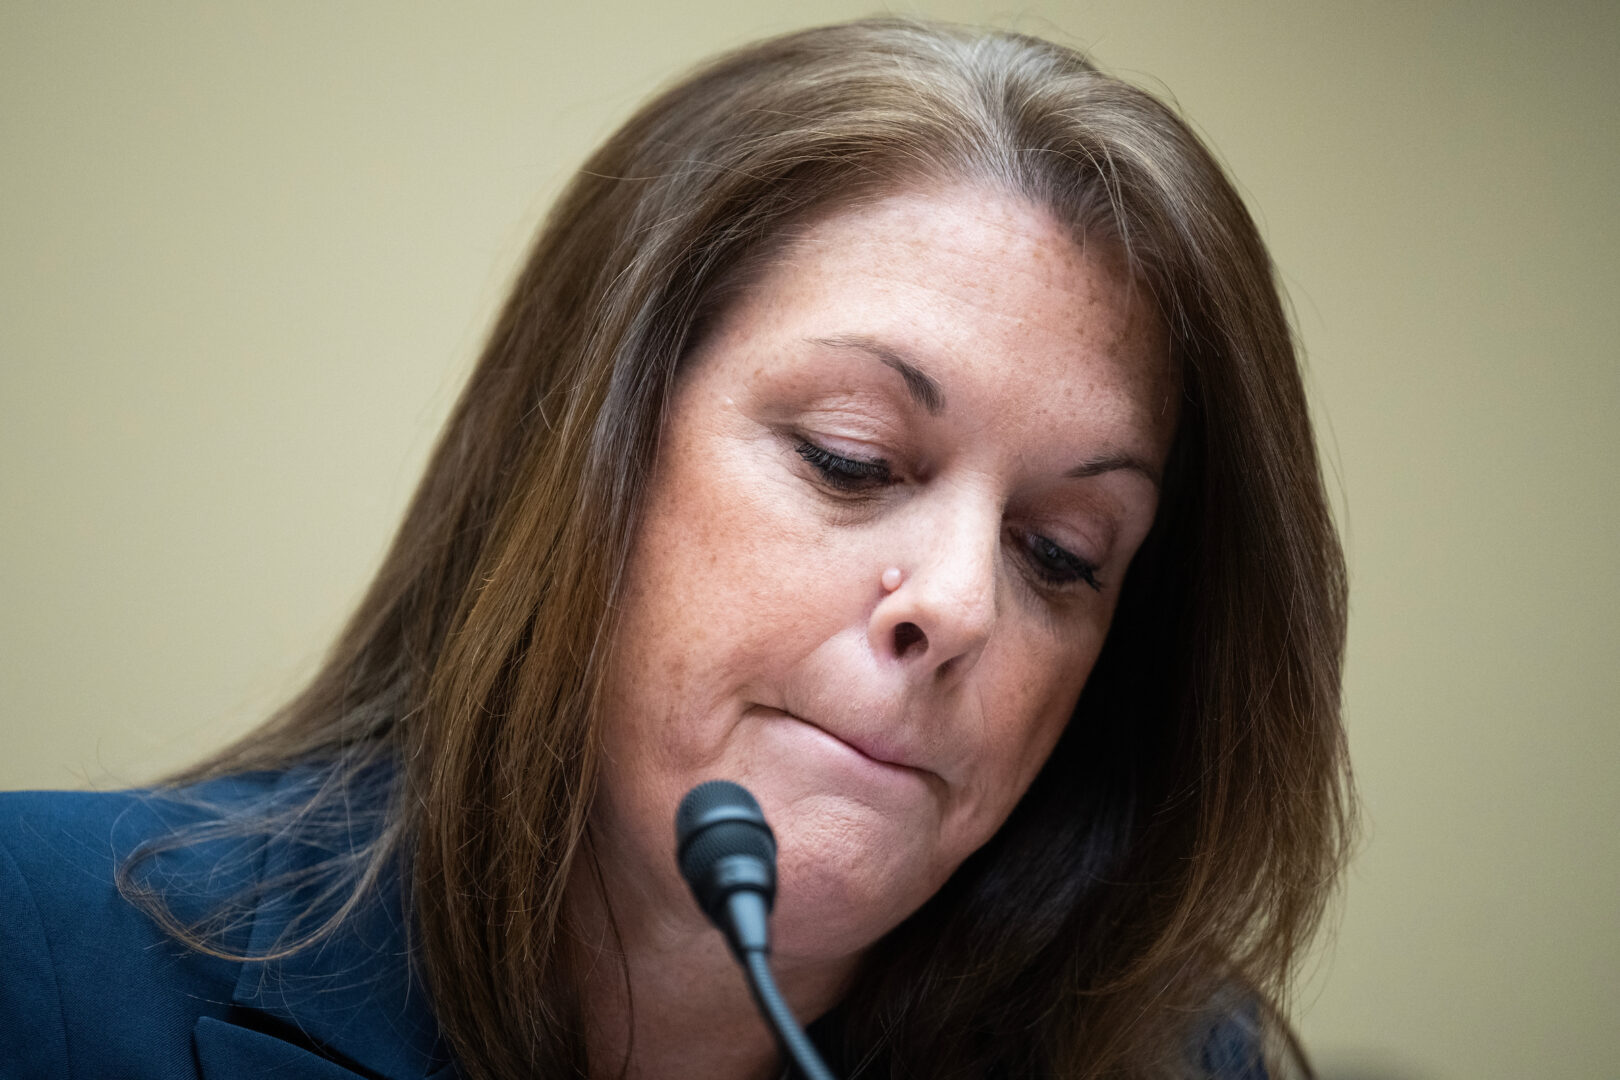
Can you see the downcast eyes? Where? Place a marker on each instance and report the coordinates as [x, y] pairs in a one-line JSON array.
[[1053, 566], [1057, 565]]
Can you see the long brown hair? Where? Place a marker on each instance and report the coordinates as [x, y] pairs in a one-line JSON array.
[[1174, 855]]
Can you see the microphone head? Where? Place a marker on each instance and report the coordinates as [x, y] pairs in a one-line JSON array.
[[723, 844]]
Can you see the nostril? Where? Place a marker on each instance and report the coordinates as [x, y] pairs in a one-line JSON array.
[[908, 636]]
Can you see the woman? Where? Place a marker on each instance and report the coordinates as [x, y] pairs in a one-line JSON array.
[[897, 418]]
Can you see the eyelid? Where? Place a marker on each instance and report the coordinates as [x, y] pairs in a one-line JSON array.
[[1084, 569], [849, 447], [843, 472]]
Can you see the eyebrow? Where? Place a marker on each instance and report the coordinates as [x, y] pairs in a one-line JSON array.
[[1113, 463], [922, 387]]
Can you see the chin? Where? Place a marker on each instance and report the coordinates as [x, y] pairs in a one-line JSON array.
[[836, 900]]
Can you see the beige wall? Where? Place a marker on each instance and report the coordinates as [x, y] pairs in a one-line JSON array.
[[246, 255]]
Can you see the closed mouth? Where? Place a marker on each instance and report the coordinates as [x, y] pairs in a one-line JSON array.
[[864, 750]]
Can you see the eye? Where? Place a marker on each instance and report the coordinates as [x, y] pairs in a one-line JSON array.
[[1057, 566], [844, 473]]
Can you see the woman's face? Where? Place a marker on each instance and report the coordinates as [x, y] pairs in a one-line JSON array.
[[898, 488]]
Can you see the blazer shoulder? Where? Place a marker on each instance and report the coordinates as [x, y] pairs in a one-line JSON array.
[[120, 997], [67, 846], [33, 1035], [89, 973], [1233, 1050], [67, 840]]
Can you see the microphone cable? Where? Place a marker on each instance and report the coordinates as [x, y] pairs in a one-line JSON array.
[[727, 855]]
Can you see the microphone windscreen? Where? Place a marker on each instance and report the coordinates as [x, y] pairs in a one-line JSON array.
[[722, 843], [714, 801]]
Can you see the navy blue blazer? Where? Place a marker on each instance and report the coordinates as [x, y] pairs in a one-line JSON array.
[[91, 987]]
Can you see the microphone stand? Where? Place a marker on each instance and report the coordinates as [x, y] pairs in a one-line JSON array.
[[727, 854]]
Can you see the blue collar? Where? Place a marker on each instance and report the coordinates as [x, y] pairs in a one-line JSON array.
[[351, 1006]]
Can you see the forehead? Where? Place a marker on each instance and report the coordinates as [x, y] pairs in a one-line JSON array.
[[990, 291]]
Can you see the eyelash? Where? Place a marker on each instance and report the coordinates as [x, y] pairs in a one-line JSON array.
[[842, 473], [1070, 568], [1055, 566]]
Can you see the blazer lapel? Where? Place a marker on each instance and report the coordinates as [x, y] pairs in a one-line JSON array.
[[349, 1006], [226, 1051]]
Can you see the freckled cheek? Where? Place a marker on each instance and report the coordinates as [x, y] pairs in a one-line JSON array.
[[731, 558], [780, 528], [1037, 697]]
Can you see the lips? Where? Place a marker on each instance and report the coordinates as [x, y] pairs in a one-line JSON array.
[[874, 750]]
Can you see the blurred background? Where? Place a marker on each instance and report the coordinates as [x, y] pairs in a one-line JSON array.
[[248, 253]]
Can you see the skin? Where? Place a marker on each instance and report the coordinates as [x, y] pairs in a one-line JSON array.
[[887, 722]]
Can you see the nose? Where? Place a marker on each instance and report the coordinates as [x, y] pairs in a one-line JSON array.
[[940, 617]]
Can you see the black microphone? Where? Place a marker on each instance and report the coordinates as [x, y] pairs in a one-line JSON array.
[[727, 854]]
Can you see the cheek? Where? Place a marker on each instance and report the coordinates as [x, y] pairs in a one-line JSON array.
[[1028, 698], [728, 584]]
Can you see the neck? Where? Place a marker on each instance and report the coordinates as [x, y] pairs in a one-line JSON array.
[[663, 996]]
